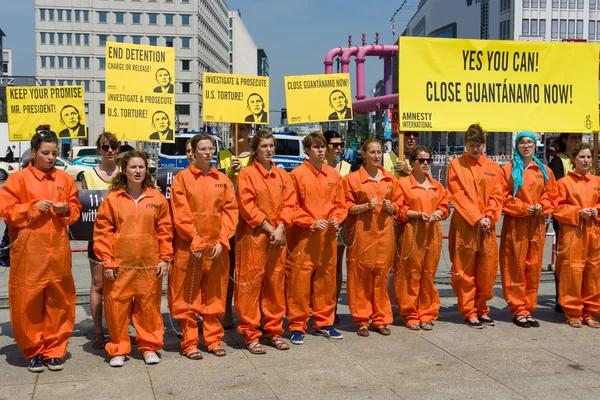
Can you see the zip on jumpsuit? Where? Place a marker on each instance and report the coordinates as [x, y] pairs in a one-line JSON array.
[[370, 247], [205, 213], [262, 195], [475, 192], [133, 236], [41, 290], [311, 267], [578, 260], [523, 236], [420, 247]]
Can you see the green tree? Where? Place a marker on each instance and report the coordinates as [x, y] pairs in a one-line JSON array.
[[362, 126]]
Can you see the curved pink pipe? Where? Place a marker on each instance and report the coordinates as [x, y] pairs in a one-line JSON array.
[[372, 50], [331, 55], [366, 106], [349, 52]]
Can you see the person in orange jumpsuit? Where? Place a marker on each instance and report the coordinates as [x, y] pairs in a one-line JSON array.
[[311, 265], [419, 242], [205, 215], [476, 194], [267, 201], [530, 192], [38, 203], [372, 198], [578, 260], [133, 236]]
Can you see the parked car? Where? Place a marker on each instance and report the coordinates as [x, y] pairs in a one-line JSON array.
[[5, 169], [80, 151], [87, 161], [76, 171]]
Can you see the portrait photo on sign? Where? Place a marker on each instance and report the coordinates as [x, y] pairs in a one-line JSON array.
[[256, 105], [162, 125], [164, 81], [71, 120], [339, 104]]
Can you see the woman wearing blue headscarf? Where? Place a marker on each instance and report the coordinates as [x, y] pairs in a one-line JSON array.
[[530, 194]]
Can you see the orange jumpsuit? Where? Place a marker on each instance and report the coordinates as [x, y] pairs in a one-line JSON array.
[[262, 195], [370, 247], [523, 236], [41, 290], [420, 247], [311, 268], [133, 237], [475, 192], [205, 213], [578, 259]]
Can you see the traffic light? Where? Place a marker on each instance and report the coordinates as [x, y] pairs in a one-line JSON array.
[[284, 113], [352, 126]]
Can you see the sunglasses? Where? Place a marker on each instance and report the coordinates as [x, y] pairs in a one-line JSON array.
[[112, 146], [413, 135], [45, 133], [424, 160], [336, 145]]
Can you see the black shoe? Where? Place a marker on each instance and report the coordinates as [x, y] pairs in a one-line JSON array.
[[558, 308], [476, 325], [533, 322], [487, 321], [36, 364], [55, 364], [521, 320]]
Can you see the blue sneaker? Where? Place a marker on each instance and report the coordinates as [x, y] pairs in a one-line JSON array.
[[329, 332], [297, 337]]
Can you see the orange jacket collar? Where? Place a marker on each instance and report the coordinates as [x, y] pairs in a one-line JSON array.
[[145, 193], [262, 169], [41, 175], [415, 184], [364, 176], [587, 175], [197, 171], [314, 170], [470, 159]]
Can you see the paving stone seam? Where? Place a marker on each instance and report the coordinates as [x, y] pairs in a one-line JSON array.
[[37, 378], [151, 383]]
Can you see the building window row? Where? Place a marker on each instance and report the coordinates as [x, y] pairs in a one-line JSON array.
[[67, 82], [534, 4], [185, 42], [214, 54], [594, 31], [567, 29], [219, 19], [136, 18], [568, 4], [51, 14], [65, 62], [534, 27], [65, 39]]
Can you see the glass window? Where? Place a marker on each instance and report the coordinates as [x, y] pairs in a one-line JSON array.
[[230, 57], [231, 21], [525, 3], [78, 39], [185, 65], [61, 62], [285, 147], [68, 38], [51, 38], [554, 3], [185, 1], [571, 4], [563, 28], [86, 16], [230, 34], [70, 62], [102, 108], [579, 29], [182, 109], [78, 62], [580, 4], [136, 39], [51, 59], [185, 20], [597, 30], [68, 15], [86, 39], [534, 27], [185, 43], [86, 63], [59, 15], [185, 87], [169, 41], [542, 29], [120, 38], [102, 40], [571, 29], [102, 85], [153, 40], [43, 37], [534, 3], [77, 15], [168, 1], [169, 19], [563, 3], [525, 30], [230, 45], [101, 63], [42, 14], [43, 61], [60, 38], [86, 87], [592, 4], [102, 17], [136, 18], [542, 3], [153, 19], [50, 15], [592, 30], [120, 17]]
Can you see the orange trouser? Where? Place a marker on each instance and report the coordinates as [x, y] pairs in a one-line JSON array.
[[474, 257], [257, 289], [208, 295], [135, 294], [420, 249], [521, 256], [42, 315], [310, 280], [577, 269], [367, 294]]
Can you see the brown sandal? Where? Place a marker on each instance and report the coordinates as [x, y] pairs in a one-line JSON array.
[[99, 341], [363, 331], [382, 330], [256, 348], [218, 352], [592, 323], [194, 355], [426, 326], [575, 323], [413, 327], [278, 343]]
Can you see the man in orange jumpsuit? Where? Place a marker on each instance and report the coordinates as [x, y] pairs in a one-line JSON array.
[[205, 215], [311, 266], [37, 203], [476, 194]]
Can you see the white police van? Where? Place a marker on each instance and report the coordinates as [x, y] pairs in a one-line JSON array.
[[172, 155], [289, 152]]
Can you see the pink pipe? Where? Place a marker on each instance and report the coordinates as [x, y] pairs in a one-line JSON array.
[[372, 50], [366, 106], [331, 55], [349, 52]]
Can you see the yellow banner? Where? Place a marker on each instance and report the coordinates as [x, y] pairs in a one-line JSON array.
[[318, 98], [507, 86], [235, 98], [61, 107], [140, 92]]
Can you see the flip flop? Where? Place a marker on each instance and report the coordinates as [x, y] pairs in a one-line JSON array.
[[218, 352]]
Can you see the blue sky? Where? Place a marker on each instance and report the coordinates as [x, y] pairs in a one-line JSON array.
[[296, 34]]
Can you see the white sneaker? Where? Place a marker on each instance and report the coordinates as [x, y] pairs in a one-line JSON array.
[[117, 361], [151, 358]]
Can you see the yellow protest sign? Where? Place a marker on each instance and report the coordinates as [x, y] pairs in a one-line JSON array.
[[507, 86], [61, 107], [235, 98], [140, 92], [318, 98]]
